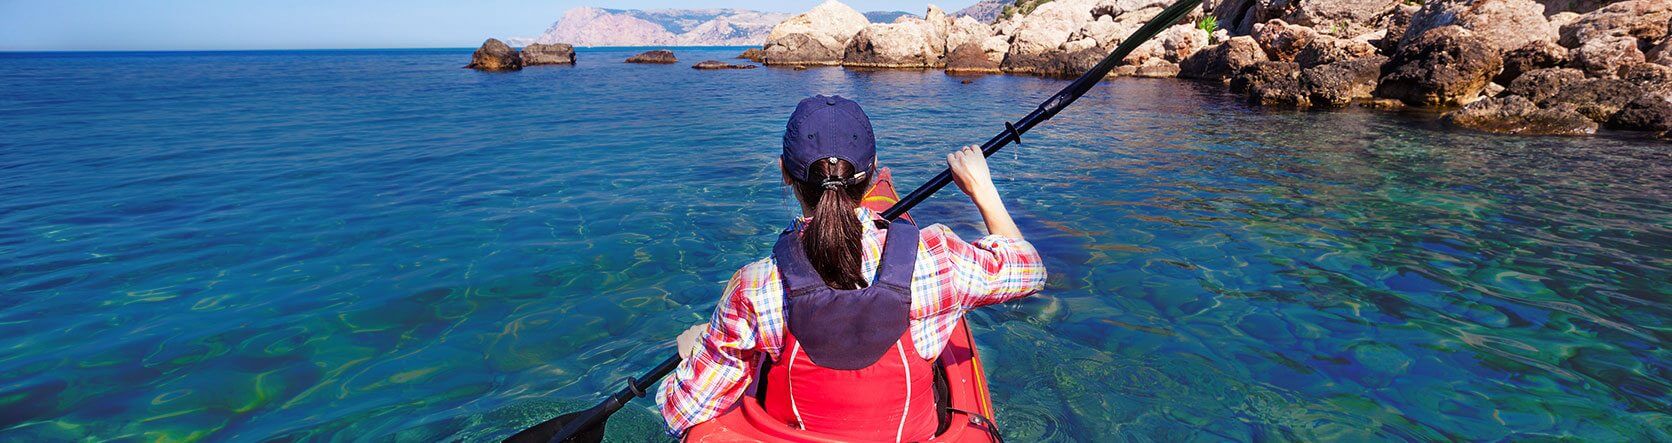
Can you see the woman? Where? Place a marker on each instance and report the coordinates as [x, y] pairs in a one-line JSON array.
[[869, 305]]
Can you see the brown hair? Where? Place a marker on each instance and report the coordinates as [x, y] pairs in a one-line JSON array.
[[832, 238]]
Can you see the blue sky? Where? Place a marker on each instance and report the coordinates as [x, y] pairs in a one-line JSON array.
[[306, 24]]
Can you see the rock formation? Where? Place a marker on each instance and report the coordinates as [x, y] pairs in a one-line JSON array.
[[1517, 115], [816, 37], [655, 56], [495, 55], [716, 64], [548, 54]]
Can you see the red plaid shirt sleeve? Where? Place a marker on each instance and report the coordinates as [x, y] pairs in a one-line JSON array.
[[718, 370], [992, 270]]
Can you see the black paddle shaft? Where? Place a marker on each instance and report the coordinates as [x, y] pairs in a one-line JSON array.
[[590, 421], [1013, 132]]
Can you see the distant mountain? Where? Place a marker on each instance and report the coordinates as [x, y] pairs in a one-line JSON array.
[[886, 16], [985, 11], [662, 27], [588, 26]]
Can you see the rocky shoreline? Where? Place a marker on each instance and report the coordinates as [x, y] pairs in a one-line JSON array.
[[1547, 67]]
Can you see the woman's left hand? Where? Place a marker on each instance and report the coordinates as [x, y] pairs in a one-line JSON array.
[[687, 340]]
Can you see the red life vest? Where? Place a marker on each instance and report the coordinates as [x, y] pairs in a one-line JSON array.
[[849, 366]]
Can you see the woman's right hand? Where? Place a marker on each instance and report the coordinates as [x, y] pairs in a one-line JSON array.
[[969, 171]]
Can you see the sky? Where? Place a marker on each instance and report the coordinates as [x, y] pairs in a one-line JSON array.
[[71, 25]]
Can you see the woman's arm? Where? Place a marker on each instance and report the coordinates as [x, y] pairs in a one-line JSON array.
[[717, 360], [969, 170]]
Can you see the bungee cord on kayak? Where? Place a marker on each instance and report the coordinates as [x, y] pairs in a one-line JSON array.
[[588, 425]]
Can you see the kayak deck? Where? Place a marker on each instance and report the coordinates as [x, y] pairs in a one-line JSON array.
[[966, 384]]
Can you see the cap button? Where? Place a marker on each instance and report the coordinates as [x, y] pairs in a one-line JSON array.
[[830, 101]]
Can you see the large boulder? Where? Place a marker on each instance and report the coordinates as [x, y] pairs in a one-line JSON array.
[[1283, 41], [1517, 115], [654, 56], [1553, 7], [1602, 56], [1341, 18], [548, 54], [1340, 83], [1223, 60], [1326, 49], [753, 54], [1540, 84], [1597, 98], [1537, 55], [892, 45], [1661, 53], [965, 30], [1042, 32], [1395, 25], [816, 37], [970, 58], [1504, 24], [1271, 83], [1640, 19], [1651, 111], [1650, 76], [495, 55], [1446, 66], [1069, 64], [1172, 45]]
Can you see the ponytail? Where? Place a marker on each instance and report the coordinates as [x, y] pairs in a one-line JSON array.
[[833, 237]]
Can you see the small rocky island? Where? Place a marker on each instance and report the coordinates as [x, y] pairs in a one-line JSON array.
[[495, 55], [1554, 67], [658, 56]]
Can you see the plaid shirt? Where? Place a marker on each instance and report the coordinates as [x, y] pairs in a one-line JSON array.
[[951, 276]]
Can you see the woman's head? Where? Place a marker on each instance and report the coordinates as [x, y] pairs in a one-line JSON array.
[[829, 157]]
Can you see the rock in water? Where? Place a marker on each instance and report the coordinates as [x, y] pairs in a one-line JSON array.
[[816, 37], [1444, 67], [1597, 98], [1223, 60], [1340, 83], [891, 45], [552, 54], [495, 55], [658, 56], [1650, 112], [716, 64], [753, 54], [970, 58], [1272, 83], [1517, 115]]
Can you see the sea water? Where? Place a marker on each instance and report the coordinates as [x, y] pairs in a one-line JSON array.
[[366, 245]]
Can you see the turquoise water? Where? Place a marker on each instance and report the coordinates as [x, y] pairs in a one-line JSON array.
[[373, 245]]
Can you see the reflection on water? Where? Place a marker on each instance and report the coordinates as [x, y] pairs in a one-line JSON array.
[[352, 244]]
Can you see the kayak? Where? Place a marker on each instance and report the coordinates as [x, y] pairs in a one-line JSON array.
[[964, 388]]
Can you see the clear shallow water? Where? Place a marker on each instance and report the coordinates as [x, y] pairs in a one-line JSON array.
[[372, 244]]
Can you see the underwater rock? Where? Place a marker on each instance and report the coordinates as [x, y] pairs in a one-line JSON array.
[[1517, 115]]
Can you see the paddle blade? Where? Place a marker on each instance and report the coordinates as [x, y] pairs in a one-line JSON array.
[[543, 432]]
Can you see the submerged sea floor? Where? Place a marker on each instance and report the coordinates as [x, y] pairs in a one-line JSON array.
[[359, 245]]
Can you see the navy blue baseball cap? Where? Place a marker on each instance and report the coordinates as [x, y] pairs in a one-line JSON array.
[[824, 128]]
